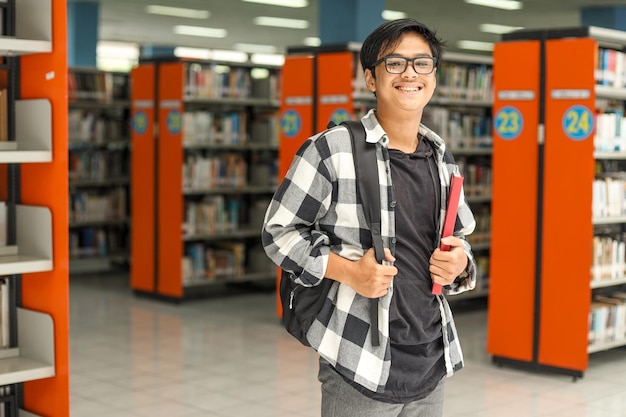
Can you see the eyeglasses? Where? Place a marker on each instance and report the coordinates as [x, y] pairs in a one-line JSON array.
[[397, 64]]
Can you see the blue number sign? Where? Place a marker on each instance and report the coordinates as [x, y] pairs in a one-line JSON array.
[[508, 123], [578, 122], [173, 122], [140, 122], [291, 123]]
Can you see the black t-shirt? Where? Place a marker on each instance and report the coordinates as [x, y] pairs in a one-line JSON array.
[[417, 363]]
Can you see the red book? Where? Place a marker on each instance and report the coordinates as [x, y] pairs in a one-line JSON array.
[[456, 183]]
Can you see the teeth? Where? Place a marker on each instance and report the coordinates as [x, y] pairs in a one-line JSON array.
[[408, 89]]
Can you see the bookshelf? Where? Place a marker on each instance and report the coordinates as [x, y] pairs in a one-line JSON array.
[[205, 176], [34, 366], [99, 170], [548, 125], [460, 112]]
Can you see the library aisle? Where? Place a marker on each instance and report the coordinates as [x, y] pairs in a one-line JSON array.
[[228, 356]]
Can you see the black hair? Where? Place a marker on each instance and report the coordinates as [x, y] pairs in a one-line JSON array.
[[387, 36]]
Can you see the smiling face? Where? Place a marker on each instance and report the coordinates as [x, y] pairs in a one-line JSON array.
[[408, 91]]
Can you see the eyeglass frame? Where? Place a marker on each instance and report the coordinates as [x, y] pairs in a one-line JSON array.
[[406, 63]]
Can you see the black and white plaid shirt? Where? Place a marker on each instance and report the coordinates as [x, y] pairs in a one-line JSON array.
[[315, 211]]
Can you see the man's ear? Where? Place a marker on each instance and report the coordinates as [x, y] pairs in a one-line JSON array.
[[369, 80]]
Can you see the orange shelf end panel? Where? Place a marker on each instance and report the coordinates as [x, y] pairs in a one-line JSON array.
[[142, 270], [171, 80], [334, 88], [514, 200], [46, 184], [567, 226], [296, 117]]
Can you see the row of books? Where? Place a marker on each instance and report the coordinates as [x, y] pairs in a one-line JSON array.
[[611, 68], [96, 242], [97, 86], [213, 262], [482, 232], [460, 129], [98, 165], [213, 80], [477, 177], [228, 170], [110, 205], [96, 127], [607, 318], [609, 195], [207, 127], [211, 215], [610, 132], [465, 81], [456, 81], [609, 258]]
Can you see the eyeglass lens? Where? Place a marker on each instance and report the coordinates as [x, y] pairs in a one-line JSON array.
[[397, 65]]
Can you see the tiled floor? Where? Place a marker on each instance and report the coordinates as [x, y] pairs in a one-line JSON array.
[[229, 357]]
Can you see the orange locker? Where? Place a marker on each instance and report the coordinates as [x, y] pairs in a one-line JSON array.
[[542, 229]]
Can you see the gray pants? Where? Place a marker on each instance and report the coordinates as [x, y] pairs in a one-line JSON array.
[[340, 399]]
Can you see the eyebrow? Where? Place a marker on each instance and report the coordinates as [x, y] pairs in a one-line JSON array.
[[419, 55]]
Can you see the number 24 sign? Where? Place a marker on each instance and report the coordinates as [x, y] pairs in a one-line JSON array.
[[578, 122]]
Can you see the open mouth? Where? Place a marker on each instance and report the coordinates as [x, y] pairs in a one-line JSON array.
[[409, 89]]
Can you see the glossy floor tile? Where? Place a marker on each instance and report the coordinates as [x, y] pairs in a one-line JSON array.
[[228, 356]]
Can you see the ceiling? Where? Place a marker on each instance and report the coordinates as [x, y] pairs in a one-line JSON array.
[[126, 20]]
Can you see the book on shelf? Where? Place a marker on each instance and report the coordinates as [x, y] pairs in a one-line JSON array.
[[607, 318], [5, 315], [4, 124]]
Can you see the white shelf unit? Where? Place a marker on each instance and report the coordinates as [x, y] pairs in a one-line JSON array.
[[33, 252], [33, 142], [33, 29], [614, 39], [33, 359]]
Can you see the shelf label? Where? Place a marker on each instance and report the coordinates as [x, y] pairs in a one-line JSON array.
[[334, 99], [578, 122], [508, 122], [140, 122], [143, 104], [571, 94], [514, 95], [291, 123], [298, 100], [170, 104], [339, 116], [173, 122]]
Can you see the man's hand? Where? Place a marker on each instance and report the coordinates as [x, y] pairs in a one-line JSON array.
[[366, 276], [445, 266]]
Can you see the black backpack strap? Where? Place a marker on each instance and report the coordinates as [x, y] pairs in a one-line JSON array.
[[366, 166]]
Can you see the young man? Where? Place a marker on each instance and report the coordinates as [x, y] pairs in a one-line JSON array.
[[314, 228]]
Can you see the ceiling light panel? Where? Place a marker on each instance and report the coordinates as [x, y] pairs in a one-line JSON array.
[[497, 4], [392, 15], [252, 47], [498, 29], [200, 31], [178, 12], [281, 22], [284, 3], [475, 45]]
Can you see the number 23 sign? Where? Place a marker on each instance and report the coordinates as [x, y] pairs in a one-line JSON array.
[[508, 123]]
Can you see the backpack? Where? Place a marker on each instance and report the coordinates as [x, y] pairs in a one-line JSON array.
[[301, 305]]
